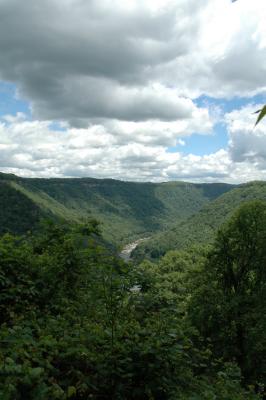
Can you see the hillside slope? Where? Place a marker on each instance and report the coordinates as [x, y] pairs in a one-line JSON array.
[[127, 210], [18, 213], [200, 227]]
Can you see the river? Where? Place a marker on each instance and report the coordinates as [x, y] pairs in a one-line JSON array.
[[128, 249]]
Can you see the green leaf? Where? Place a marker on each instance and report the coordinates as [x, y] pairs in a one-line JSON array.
[[262, 113], [71, 391], [36, 372]]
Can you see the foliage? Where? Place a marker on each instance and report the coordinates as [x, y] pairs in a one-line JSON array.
[[126, 210], [202, 226], [77, 323], [228, 303], [262, 113], [17, 212]]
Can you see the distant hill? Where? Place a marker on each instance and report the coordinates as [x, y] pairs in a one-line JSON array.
[[126, 210], [200, 227]]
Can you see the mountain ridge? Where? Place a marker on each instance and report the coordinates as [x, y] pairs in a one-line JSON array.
[[127, 210]]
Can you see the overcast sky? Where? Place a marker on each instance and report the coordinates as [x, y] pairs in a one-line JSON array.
[[144, 90]]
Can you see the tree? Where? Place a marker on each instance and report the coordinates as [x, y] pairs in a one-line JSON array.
[[229, 305], [72, 327]]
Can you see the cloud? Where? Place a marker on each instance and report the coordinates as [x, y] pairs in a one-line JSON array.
[[35, 149], [228, 55], [122, 78], [95, 98], [82, 60], [247, 143], [36, 146], [164, 133], [133, 60]]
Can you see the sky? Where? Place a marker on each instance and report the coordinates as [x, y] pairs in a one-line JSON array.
[[139, 90]]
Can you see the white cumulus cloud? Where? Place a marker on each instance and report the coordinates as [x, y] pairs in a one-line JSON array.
[[123, 78]]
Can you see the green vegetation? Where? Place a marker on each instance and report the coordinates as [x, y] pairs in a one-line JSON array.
[[17, 212], [202, 226], [262, 113], [229, 303], [77, 323], [126, 210]]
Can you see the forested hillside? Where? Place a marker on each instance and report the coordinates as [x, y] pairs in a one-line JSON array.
[[202, 226], [17, 212], [77, 323], [126, 210]]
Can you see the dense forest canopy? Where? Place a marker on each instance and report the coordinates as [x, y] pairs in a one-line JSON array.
[[77, 322]]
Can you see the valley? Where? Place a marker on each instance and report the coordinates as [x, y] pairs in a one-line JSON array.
[[171, 215], [200, 228], [106, 284], [126, 211]]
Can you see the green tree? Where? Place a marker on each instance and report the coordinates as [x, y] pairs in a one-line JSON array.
[[228, 305], [78, 323]]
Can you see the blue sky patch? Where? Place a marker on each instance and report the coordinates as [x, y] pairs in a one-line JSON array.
[[10, 104], [203, 144]]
